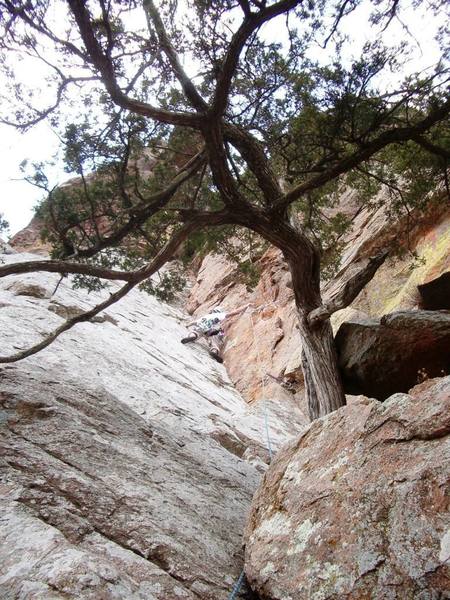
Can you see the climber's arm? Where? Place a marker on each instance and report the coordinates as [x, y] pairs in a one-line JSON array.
[[238, 311]]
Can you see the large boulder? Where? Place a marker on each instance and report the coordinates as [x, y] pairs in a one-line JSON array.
[[357, 506], [128, 460], [380, 357]]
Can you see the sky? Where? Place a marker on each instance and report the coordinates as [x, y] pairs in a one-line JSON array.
[[17, 198]]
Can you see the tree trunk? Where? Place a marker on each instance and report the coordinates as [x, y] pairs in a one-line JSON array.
[[324, 389]]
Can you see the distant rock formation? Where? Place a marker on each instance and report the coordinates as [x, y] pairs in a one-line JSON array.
[[357, 505], [29, 239], [379, 357], [128, 460]]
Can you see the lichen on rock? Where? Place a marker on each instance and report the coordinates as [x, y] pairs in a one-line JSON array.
[[357, 505]]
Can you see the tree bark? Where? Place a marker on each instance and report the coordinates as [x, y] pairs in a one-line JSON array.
[[324, 388]]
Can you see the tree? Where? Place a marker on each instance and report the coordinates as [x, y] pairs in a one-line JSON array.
[[239, 132]]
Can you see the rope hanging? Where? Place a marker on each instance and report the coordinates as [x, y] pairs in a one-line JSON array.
[[263, 386], [237, 586]]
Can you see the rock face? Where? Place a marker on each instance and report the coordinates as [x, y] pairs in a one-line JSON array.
[[394, 287], [380, 357], [268, 339], [5, 248], [278, 351], [128, 460], [29, 239], [357, 506]]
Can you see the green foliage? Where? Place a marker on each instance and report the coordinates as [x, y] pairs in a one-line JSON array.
[[165, 286], [248, 273], [305, 109], [88, 283], [240, 246]]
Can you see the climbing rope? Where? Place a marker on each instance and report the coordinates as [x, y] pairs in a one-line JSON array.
[[237, 586], [263, 386]]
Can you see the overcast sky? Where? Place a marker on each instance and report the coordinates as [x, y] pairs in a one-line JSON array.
[[17, 198]]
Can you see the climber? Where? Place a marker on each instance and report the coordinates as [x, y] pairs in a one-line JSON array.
[[210, 327]]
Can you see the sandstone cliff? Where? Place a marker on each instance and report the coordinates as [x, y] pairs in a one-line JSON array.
[[29, 239], [269, 339], [277, 350]]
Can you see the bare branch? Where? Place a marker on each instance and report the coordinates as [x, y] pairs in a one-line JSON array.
[[391, 14], [105, 66], [432, 148], [188, 87], [222, 177], [256, 158], [349, 291], [245, 7], [86, 316], [251, 23], [341, 13], [65, 268], [21, 11], [43, 114]]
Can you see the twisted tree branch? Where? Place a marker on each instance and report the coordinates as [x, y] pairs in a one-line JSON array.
[[103, 64], [348, 293], [189, 88], [134, 278], [150, 206]]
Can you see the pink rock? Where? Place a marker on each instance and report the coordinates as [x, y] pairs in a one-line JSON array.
[[357, 506]]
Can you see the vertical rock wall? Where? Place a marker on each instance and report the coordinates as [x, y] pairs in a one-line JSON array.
[[268, 342]]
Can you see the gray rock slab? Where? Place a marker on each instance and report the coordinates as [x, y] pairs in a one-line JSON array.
[[128, 461]]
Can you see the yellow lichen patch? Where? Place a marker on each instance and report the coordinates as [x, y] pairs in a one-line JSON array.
[[434, 259], [300, 536], [394, 286]]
